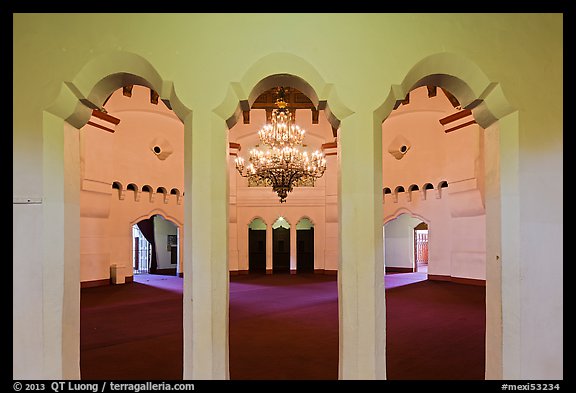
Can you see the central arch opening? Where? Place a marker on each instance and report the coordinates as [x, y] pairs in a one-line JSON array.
[[281, 246], [284, 323]]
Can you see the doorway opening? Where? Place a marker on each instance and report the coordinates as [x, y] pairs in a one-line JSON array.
[[405, 245], [257, 246], [285, 250], [431, 119], [141, 252], [158, 250], [421, 248], [305, 246], [281, 246]]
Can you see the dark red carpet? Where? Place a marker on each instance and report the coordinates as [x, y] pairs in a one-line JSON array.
[[131, 331], [281, 327], [435, 330], [284, 327]]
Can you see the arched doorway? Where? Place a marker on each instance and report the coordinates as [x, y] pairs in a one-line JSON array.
[[492, 111], [305, 246], [401, 249], [281, 246], [285, 293], [141, 251], [166, 246], [142, 222], [423, 129], [421, 247], [257, 246]]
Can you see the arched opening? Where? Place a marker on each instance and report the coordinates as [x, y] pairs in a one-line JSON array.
[[257, 246], [157, 246], [287, 293], [459, 241], [421, 247], [252, 196], [125, 130], [141, 253], [148, 252], [281, 246], [79, 102], [166, 245], [401, 249], [305, 246]]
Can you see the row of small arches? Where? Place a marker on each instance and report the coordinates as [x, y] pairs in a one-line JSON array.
[[414, 187], [259, 224], [149, 189]]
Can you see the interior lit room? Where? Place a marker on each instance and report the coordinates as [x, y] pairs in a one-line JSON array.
[[211, 197]]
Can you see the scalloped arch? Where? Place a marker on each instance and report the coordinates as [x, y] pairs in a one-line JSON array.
[[281, 69], [459, 75], [306, 218], [301, 222], [283, 218], [159, 212], [404, 210], [257, 218], [104, 74]]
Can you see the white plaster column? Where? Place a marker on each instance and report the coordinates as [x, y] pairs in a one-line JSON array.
[[361, 266], [293, 252], [494, 359], [503, 318], [206, 247], [269, 245], [61, 259]]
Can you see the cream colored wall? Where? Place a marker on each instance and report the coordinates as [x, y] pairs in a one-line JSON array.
[[510, 62]]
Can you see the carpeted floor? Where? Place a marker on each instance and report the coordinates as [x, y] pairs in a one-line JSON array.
[[282, 327], [435, 331], [132, 331]]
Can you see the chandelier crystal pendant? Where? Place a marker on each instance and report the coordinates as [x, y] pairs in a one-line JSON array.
[[282, 164]]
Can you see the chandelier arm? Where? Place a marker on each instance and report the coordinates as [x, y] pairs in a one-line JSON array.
[[294, 177]]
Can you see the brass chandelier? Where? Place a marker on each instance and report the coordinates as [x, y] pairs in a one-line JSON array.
[[282, 164]]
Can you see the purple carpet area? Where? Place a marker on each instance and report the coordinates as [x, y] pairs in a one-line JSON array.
[[132, 331], [282, 327], [435, 330]]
